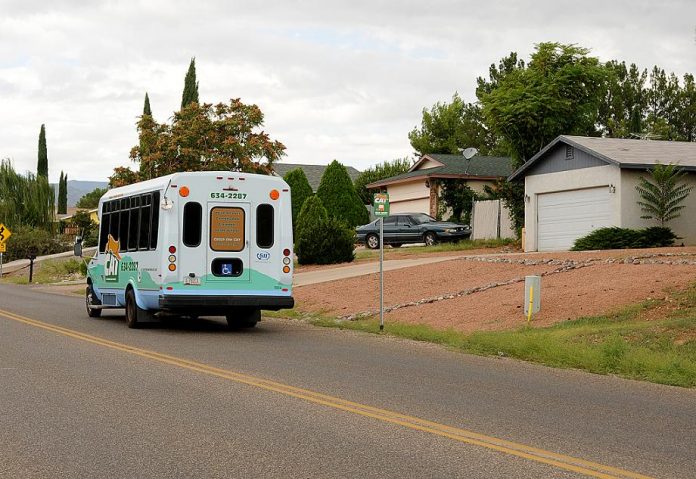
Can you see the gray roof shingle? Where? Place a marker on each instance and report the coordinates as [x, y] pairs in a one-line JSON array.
[[624, 152], [639, 152], [456, 165]]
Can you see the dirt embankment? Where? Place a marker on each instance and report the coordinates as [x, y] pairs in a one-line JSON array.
[[486, 292]]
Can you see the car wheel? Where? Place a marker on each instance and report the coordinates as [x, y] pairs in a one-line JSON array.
[[90, 301], [396, 245], [243, 318], [372, 241], [429, 238]]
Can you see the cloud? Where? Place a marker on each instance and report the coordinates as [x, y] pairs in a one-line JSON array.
[[344, 80]]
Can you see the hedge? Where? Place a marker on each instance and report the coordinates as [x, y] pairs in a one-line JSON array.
[[620, 238]]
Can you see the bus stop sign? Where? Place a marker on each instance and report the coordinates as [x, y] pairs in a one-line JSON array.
[[380, 206]]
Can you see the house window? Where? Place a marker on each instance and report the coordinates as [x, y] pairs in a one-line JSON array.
[[569, 152]]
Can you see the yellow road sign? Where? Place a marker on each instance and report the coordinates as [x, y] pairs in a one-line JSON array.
[[4, 233], [3, 247]]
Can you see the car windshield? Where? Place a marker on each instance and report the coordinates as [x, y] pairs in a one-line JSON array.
[[421, 218]]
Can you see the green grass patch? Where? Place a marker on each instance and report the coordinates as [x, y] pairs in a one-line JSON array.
[[463, 245], [50, 271], [660, 350]]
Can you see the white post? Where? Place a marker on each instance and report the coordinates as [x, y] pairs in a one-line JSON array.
[[381, 273]]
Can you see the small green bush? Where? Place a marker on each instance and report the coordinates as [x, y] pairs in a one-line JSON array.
[[621, 238], [321, 239], [27, 239]]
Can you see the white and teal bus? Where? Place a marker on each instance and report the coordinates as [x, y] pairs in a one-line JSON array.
[[205, 243]]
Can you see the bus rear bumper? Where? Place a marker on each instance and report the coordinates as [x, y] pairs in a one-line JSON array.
[[203, 304]]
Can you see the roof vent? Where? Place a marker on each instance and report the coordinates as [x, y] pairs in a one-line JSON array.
[[570, 152]]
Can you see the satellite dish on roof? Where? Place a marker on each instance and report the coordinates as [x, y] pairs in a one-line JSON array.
[[469, 152]]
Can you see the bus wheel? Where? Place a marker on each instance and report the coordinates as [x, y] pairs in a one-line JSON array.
[[243, 318], [131, 310], [91, 300]]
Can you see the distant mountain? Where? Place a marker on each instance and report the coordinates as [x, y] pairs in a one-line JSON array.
[[77, 189]]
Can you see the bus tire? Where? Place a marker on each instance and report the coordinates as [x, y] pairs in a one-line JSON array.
[[135, 316], [90, 300], [243, 318]]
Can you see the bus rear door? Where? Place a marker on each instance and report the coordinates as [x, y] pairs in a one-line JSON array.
[[228, 242]]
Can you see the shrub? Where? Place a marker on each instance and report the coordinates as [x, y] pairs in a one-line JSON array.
[[619, 238], [300, 190], [338, 195], [27, 239], [321, 239]]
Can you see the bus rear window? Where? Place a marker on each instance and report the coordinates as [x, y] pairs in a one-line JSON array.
[[227, 229], [264, 226], [192, 224]]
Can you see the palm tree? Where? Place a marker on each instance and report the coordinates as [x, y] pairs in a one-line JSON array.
[[662, 195]]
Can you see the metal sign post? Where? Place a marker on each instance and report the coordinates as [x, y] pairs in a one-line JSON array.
[[1, 265], [381, 274], [381, 209]]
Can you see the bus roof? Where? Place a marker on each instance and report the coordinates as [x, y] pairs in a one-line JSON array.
[[164, 181]]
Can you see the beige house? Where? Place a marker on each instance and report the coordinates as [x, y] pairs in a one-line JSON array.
[[578, 184], [417, 190]]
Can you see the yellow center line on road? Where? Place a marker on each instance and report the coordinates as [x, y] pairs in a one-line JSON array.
[[561, 461]]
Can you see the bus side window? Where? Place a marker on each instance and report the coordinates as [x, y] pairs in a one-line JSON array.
[[115, 218], [134, 223], [125, 222], [145, 219], [104, 226], [154, 229], [192, 224], [264, 226]]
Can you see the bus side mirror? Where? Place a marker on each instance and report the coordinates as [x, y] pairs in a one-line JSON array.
[[77, 248]]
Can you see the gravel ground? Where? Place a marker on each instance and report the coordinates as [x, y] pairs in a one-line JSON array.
[[484, 292]]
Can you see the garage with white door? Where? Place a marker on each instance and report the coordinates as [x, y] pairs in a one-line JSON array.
[[578, 184], [565, 216]]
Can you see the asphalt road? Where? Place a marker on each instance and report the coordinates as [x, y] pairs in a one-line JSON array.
[[90, 398]]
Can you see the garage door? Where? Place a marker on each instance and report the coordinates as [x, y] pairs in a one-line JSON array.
[[565, 216]]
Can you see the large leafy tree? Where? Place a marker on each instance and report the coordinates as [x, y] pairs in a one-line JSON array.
[[63, 194], [42, 164], [527, 106], [190, 93], [202, 137], [662, 194], [559, 92], [300, 190], [449, 127], [338, 196], [91, 200], [379, 172]]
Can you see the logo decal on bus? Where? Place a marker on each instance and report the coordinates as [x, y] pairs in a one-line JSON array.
[[113, 259], [263, 256]]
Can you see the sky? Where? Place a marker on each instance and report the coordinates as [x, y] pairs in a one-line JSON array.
[[335, 80]]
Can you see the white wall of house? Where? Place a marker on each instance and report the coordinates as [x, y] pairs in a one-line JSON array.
[[411, 197], [535, 185], [684, 226]]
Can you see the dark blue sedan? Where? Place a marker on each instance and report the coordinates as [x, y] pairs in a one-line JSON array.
[[411, 228]]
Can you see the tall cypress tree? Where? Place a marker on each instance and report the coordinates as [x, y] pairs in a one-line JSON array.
[[42, 165], [190, 85], [146, 107], [63, 194]]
